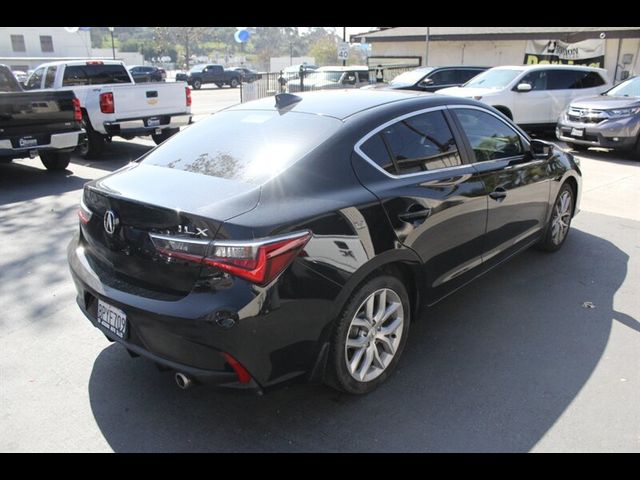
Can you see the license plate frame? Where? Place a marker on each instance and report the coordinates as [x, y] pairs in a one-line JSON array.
[[577, 132], [112, 319], [27, 142]]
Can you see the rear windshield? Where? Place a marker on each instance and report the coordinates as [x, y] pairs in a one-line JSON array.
[[94, 75], [8, 83], [250, 146]]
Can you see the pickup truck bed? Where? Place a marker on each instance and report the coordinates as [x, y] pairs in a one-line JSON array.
[[37, 123]]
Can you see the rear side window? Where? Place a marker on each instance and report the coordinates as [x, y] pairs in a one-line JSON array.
[[465, 75], [244, 145], [50, 77], [490, 138], [94, 75], [416, 144], [35, 80], [590, 80], [573, 79]]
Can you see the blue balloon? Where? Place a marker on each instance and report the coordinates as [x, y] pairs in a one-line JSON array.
[[241, 36]]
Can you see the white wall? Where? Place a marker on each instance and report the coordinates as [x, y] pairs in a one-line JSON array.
[[278, 63], [64, 44]]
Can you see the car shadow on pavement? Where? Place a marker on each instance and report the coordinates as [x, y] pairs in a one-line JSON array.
[[491, 368], [19, 182], [116, 154]]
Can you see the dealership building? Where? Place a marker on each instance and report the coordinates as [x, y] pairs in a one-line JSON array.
[[614, 48]]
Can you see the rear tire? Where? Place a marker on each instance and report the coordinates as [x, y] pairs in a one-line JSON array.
[[166, 133], [196, 84], [560, 220], [55, 161], [93, 145], [375, 323]]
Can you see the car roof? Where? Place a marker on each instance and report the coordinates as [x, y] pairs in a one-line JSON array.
[[344, 103], [547, 66], [80, 62], [340, 68]]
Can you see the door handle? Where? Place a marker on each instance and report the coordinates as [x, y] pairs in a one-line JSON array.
[[415, 216], [499, 194]]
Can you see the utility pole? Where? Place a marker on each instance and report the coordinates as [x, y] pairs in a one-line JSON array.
[[344, 39], [290, 53], [113, 47], [426, 58]]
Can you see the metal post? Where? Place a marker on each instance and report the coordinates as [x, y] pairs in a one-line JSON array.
[[290, 53], [113, 47], [344, 39], [426, 58]]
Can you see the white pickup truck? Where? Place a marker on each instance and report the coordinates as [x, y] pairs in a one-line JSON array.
[[113, 105]]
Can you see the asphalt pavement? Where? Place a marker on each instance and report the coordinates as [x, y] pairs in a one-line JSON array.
[[517, 362]]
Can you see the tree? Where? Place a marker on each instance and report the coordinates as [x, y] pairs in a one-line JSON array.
[[325, 51], [186, 37]]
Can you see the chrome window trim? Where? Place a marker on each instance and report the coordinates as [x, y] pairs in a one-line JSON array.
[[376, 130]]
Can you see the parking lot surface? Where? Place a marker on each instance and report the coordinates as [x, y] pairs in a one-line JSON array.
[[516, 362]]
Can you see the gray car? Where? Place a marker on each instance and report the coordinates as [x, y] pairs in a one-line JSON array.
[[610, 120]]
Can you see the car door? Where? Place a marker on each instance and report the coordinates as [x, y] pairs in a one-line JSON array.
[[517, 182], [435, 201], [533, 107]]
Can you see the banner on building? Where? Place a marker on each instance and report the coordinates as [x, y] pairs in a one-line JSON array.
[[587, 52]]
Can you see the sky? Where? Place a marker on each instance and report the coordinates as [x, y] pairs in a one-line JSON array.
[[350, 30]]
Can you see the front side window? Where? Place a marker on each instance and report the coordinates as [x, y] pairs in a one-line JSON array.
[[46, 43], [490, 138], [35, 80], [17, 43], [444, 77], [538, 80], [415, 144]]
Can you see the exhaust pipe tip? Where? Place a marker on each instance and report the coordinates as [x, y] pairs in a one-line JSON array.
[[183, 381]]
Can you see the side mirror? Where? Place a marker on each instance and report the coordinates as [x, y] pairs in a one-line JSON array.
[[427, 82], [540, 148], [524, 87]]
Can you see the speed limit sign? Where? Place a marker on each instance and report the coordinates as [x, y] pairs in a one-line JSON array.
[[343, 51]]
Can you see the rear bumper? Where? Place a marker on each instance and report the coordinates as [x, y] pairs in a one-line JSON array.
[[189, 333], [58, 141], [619, 134], [141, 126]]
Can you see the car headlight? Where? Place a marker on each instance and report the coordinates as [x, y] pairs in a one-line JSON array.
[[623, 112]]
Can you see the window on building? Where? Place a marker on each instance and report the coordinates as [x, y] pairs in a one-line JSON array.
[[17, 43], [46, 43]]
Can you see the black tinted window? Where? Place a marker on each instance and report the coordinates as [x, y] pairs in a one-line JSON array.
[[489, 137], [444, 77], [564, 79], [537, 79], [375, 149], [419, 143], [465, 75], [94, 75], [8, 83], [244, 145], [590, 80]]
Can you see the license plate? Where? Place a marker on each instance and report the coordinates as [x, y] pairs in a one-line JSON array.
[[28, 142], [153, 122], [112, 318], [577, 132]]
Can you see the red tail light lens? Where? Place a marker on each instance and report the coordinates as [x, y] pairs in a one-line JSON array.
[[188, 93], [106, 103], [241, 372], [77, 112], [259, 261], [84, 214]]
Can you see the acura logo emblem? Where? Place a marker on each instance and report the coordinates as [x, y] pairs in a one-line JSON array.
[[111, 222]]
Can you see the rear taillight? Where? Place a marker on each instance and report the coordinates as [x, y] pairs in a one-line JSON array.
[[188, 93], [106, 103], [259, 261], [84, 214], [241, 372], [77, 112]]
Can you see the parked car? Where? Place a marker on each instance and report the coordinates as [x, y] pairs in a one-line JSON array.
[[209, 73], [533, 96], [292, 72], [610, 120], [335, 216], [324, 78], [248, 75], [48, 124], [431, 79], [112, 105], [147, 73], [21, 76]]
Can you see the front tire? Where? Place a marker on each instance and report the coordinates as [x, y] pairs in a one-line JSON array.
[[55, 161], [560, 221], [369, 336], [196, 84], [233, 83]]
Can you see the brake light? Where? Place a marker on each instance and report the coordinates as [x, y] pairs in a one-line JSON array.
[[241, 372], [106, 103], [77, 112], [188, 92], [95, 62], [84, 213], [259, 261]]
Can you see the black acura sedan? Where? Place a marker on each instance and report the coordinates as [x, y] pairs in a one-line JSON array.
[[296, 237]]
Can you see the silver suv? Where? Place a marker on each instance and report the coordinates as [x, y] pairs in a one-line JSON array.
[[610, 120]]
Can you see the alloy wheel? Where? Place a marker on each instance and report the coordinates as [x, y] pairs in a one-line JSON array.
[[561, 218]]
